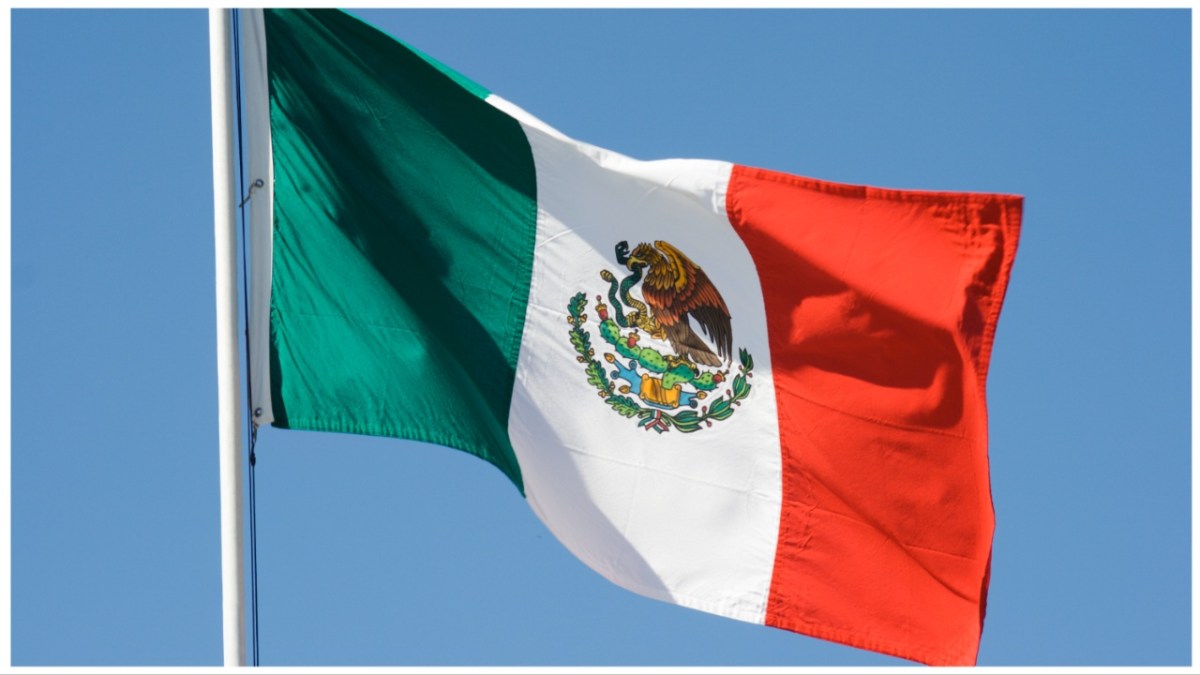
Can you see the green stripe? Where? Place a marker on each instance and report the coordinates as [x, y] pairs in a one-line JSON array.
[[405, 211]]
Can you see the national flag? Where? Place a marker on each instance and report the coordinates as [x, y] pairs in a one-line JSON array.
[[741, 391]]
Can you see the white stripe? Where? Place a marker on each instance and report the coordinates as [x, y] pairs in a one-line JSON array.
[[260, 207], [691, 519]]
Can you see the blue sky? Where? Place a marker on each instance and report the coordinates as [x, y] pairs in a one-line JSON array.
[[382, 552]]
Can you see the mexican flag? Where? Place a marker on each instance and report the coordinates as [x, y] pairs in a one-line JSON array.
[[745, 392]]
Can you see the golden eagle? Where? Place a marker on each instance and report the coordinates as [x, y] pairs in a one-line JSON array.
[[674, 288]]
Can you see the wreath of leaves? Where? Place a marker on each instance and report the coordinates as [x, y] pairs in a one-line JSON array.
[[686, 421]]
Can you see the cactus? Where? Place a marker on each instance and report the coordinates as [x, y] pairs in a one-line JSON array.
[[652, 360]]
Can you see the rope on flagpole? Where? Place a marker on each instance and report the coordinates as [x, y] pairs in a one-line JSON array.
[[253, 430]]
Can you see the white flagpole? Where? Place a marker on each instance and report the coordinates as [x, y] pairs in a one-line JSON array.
[[229, 393]]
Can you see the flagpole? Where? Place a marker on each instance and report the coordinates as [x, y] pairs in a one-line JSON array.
[[229, 396]]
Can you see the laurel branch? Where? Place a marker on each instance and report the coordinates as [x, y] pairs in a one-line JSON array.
[[686, 421]]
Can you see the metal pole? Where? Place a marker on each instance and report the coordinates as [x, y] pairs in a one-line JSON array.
[[229, 392]]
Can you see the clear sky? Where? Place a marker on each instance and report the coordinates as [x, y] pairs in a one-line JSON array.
[[384, 552]]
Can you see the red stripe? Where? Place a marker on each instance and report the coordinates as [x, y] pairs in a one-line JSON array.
[[881, 306]]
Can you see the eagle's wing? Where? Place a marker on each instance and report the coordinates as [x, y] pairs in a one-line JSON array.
[[694, 294]]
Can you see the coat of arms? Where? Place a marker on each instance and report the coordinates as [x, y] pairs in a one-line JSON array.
[[663, 372]]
